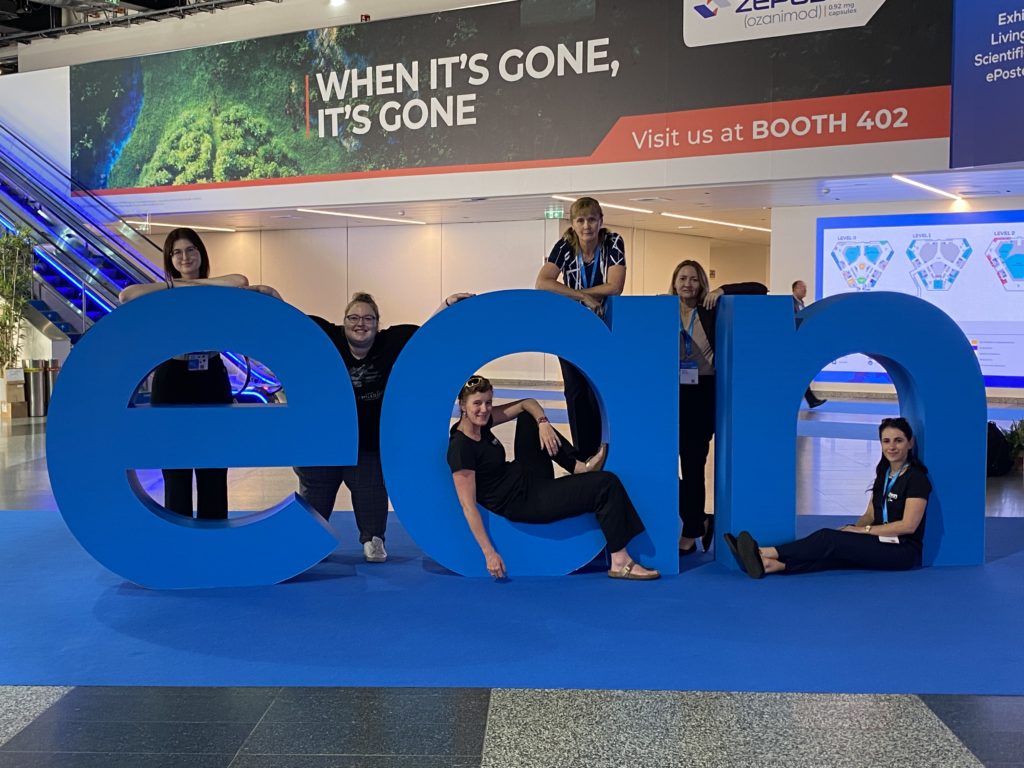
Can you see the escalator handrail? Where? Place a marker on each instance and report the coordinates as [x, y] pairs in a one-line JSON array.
[[74, 183]]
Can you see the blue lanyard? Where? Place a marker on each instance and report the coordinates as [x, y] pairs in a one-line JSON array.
[[688, 336], [587, 280], [885, 491]]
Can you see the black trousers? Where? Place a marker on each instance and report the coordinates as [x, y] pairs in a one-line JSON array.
[[696, 428], [830, 549], [319, 487], [175, 384], [583, 410], [547, 498]]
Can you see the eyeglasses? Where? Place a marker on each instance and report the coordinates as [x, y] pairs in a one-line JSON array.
[[355, 319], [190, 251]]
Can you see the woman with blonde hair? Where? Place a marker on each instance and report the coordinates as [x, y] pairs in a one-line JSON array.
[[592, 263]]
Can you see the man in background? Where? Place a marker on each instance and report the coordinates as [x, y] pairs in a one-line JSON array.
[[799, 293]]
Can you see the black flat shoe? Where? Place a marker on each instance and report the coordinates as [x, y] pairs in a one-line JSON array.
[[750, 557], [690, 551], [709, 533], [817, 402], [730, 542]]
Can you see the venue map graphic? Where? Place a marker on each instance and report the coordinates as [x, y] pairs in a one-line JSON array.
[[930, 256]]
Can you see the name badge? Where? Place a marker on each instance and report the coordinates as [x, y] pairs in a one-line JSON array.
[[889, 539], [687, 371], [199, 361]]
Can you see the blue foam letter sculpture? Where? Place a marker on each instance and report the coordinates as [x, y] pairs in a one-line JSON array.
[[94, 439], [633, 367], [767, 363]]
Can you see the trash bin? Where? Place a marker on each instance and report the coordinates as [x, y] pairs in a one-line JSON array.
[[35, 387], [52, 369]]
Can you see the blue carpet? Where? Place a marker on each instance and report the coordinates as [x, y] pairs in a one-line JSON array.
[[67, 621]]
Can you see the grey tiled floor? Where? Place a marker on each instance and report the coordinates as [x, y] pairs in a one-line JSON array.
[[481, 728]]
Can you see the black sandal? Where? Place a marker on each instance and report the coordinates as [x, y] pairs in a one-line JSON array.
[[750, 555]]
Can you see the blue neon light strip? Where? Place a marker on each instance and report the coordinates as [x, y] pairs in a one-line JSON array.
[[77, 283]]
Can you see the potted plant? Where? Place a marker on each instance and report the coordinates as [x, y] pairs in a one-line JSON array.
[[16, 259], [1015, 437]]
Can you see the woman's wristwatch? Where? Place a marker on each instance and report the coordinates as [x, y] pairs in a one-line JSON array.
[[867, 529], [542, 420]]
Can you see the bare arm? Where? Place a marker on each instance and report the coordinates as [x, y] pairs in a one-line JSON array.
[[465, 488], [547, 280], [134, 291], [455, 298], [549, 439], [615, 285]]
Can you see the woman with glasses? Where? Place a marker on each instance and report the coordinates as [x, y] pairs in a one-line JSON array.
[[525, 490], [369, 353], [697, 315], [887, 537], [592, 263], [198, 378]]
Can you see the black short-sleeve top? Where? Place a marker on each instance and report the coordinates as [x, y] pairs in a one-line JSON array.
[[497, 482], [912, 484]]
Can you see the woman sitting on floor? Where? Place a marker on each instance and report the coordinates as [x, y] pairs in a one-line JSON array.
[[887, 537], [526, 490]]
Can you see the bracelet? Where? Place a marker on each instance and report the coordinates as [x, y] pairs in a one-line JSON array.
[[543, 420]]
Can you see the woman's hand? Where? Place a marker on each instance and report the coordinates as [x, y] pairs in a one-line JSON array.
[[549, 440], [265, 289], [455, 298], [594, 305], [712, 298], [495, 565]]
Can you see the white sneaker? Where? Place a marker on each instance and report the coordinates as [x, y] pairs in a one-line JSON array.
[[373, 550]]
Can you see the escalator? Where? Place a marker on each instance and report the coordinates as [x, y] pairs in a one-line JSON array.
[[86, 253]]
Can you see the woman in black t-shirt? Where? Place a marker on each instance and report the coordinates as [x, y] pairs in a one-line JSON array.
[[888, 536], [526, 490], [369, 352]]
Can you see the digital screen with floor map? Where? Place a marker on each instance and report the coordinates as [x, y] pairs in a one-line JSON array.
[[969, 265]]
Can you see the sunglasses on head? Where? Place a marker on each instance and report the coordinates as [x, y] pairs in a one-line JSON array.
[[473, 381]]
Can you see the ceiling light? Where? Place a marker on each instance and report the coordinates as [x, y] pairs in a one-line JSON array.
[[197, 227], [685, 226], [605, 205], [919, 185], [336, 3], [360, 216], [714, 221]]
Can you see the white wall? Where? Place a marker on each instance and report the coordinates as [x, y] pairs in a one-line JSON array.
[[738, 263], [410, 269], [794, 242]]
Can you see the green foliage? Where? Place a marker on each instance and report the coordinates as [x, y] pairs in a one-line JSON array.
[[234, 145], [15, 290], [1015, 437]]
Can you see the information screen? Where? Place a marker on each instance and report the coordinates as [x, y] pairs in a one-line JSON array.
[[969, 265]]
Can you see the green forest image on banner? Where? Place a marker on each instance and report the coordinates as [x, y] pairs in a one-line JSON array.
[[446, 89]]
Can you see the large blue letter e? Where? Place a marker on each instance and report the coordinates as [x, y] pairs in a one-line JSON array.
[[94, 439]]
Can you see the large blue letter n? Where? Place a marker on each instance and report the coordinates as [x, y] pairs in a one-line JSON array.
[[767, 363], [94, 439]]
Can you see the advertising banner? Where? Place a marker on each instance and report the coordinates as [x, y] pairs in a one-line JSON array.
[[487, 89], [988, 83]]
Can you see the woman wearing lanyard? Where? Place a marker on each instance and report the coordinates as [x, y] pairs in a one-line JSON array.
[[697, 392], [887, 537], [592, 262], [195, 378]]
